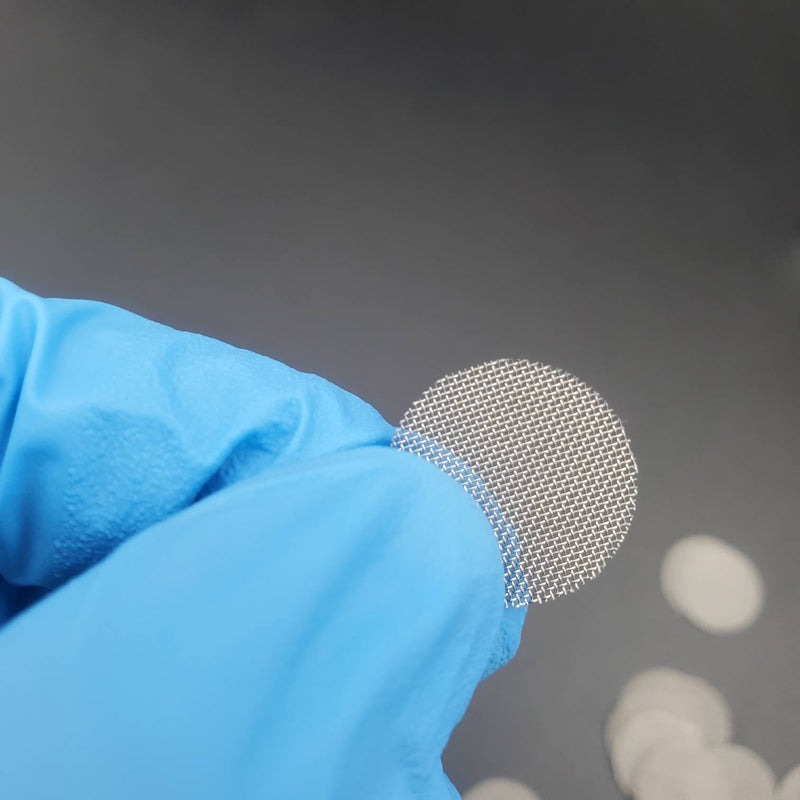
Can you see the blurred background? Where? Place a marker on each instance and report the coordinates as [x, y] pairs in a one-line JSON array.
[[385, 192]]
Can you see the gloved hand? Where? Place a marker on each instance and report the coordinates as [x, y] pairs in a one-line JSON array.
[[252, 595]]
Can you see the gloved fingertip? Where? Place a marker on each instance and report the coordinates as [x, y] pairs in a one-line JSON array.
[[485, 559], [508, 639]]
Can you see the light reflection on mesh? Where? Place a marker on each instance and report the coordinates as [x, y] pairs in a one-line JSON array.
[[546, 459]]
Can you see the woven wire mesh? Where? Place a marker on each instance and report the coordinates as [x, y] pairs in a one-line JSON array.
[[546, 459]]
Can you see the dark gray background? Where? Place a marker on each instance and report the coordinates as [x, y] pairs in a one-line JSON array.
[[382, 193]]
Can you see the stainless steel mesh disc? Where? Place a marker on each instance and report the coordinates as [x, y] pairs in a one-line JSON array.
[[546, 459]]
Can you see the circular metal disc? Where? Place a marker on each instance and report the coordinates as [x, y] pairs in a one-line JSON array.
[[712, 584], [670, 772], [749, 776], [642, 732], [544, 456], [789, 788], [500, 789], [686, 696]]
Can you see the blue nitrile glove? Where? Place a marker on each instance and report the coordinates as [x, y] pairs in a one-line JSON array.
[[285, 608]]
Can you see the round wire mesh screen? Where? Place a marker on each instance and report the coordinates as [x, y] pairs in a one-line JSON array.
[[546, 459]]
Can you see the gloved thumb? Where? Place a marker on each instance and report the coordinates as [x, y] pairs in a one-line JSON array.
[[315, 631]]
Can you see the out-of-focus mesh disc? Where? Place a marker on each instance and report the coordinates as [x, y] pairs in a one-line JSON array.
[[546, 459]]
